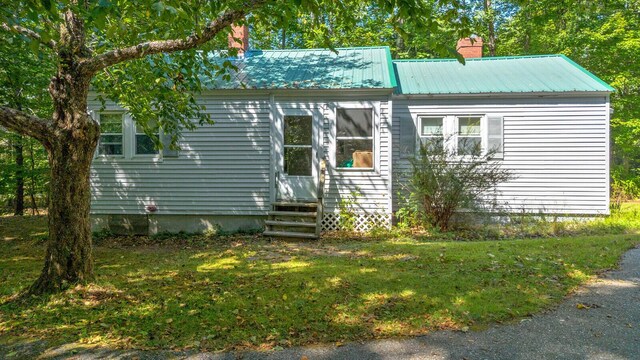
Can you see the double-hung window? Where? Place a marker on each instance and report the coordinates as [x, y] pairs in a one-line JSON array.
[[121, 137], [354, 138], [111, 134], [462, 135]]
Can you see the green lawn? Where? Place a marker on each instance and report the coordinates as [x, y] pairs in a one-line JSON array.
[[243, 292]]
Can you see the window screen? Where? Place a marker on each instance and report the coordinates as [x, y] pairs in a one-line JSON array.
[[354, 138]]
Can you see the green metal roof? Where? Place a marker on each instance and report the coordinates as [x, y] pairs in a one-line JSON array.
[[350, 68], [513, 74]]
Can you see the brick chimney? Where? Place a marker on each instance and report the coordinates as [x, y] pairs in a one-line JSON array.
[[241, 33], [470, 50]]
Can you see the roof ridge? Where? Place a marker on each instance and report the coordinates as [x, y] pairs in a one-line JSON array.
[[493, 58]]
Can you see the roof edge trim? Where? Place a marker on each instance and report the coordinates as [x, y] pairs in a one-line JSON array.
[[588, 73], [392, 74]]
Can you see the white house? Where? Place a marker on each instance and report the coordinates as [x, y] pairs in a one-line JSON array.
[[363, 114]]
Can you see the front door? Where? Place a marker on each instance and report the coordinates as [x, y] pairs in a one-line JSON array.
[[296, 163]]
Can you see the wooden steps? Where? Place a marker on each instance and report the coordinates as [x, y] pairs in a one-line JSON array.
[[290, 234], [292, 220], [289, 223], [292, 213], [298, 219]]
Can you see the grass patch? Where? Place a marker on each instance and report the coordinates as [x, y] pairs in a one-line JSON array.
[[244, 292]]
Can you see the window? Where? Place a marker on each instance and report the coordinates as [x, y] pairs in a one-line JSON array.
[[354, 138], [298, 150], [469, 135], [431, 131], [111, 134], [144, 143], [461, 135], [121, 137]]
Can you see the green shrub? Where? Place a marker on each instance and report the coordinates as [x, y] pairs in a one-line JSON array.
[[441, 184], [348, 213]]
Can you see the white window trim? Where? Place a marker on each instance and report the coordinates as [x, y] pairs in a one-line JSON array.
[[375, 137], [450, 126], [128, 141]]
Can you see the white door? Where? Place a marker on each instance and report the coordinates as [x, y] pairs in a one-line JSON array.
[[297, 159]]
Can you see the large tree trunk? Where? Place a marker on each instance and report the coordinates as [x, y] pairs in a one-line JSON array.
[[68, 259], [18, 148]]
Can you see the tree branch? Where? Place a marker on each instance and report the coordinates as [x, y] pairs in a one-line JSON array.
[[116, 56], [25, 124], [28, 33]]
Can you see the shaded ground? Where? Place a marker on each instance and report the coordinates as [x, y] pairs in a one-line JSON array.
[[600, 321], [244, 293]]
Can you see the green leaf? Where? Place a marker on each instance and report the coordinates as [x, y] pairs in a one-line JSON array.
[[47, 4], [34, 46], [158, 7]]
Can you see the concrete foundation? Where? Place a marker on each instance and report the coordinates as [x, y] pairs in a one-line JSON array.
[[152, 224]]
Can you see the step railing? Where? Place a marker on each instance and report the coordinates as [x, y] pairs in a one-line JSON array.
[[320, 195]]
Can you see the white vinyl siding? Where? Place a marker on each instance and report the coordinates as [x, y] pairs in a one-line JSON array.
[[221, 169], [557, 148], [226, 168]]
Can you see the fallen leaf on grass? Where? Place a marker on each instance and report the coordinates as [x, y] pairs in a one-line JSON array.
[[583, 306]]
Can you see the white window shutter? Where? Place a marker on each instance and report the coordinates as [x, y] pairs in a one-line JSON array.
[[407, 136], [167, 152], [495, 135]]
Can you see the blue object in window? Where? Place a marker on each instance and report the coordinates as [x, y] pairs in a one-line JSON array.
[[346, 164]]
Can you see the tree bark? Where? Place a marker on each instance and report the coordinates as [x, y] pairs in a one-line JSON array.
[[18, 148], [491, 43], [68, 259]]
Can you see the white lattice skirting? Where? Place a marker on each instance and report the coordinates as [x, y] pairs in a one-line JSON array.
[[362, 222]]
